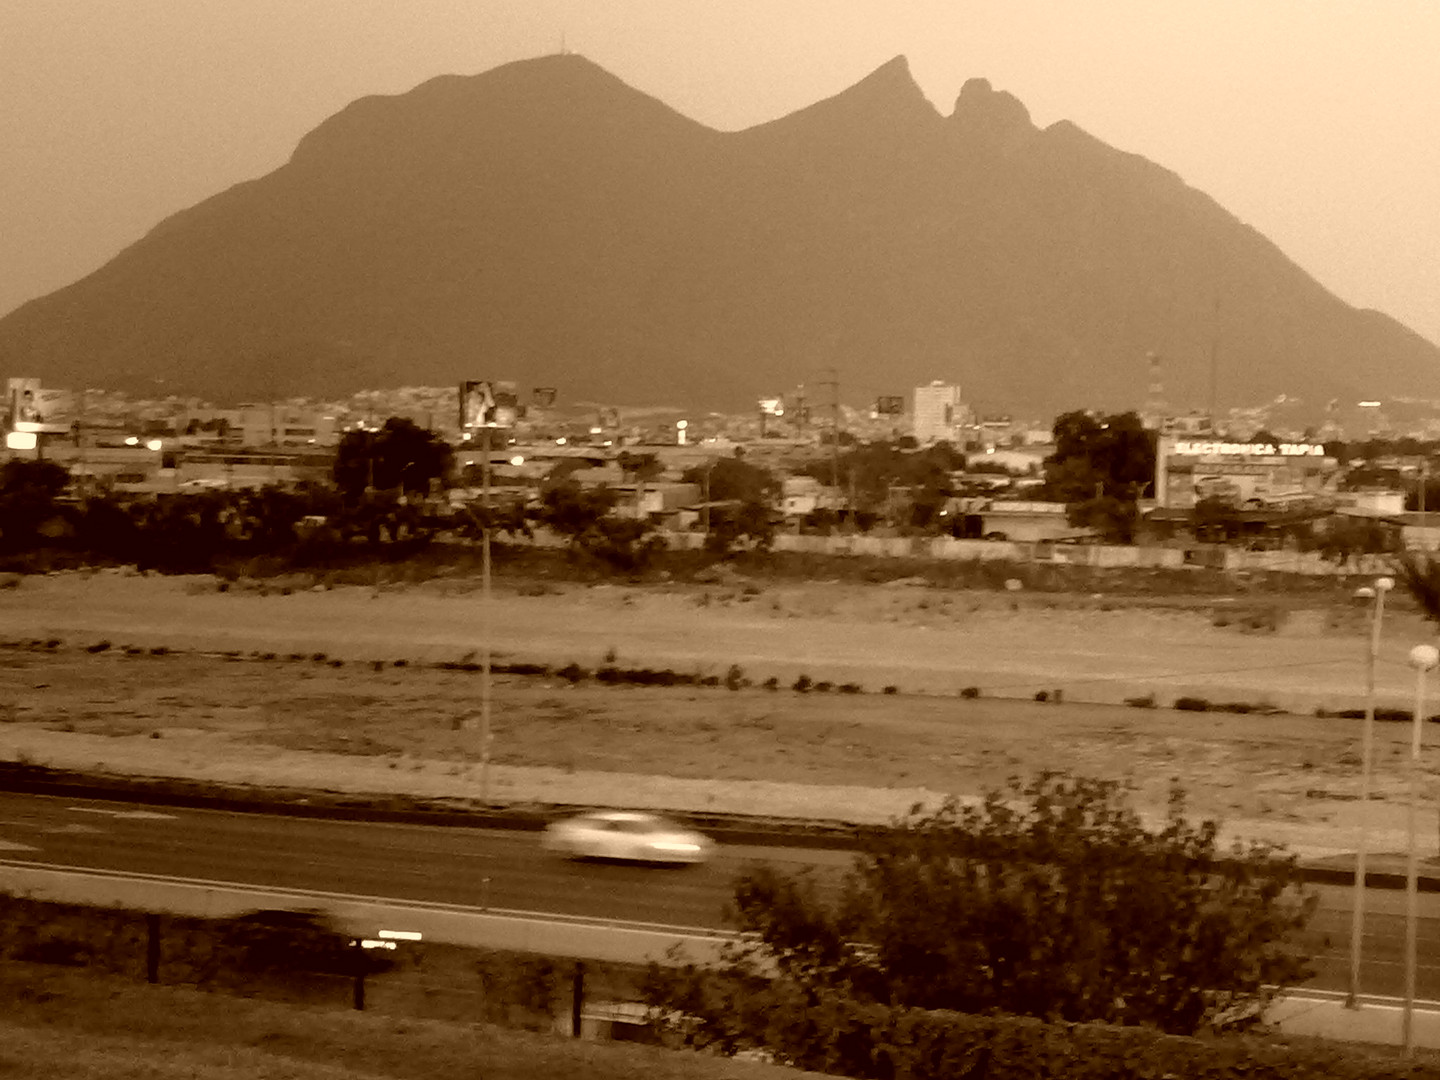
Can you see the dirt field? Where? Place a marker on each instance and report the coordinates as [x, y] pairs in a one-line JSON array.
[[385, 720]]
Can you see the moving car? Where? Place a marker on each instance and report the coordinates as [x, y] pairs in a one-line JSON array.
[[628, 835]]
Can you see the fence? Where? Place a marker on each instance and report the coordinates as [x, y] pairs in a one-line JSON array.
[[297, 958]]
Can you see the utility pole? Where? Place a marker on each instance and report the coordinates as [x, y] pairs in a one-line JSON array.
[[834, 383], [1214, 358], [486, 619]]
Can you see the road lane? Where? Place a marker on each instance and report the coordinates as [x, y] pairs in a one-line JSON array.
[[506, 869]]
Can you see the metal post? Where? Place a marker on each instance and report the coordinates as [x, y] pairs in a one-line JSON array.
[[705, 499], [1367, 754], [152, 948], [485, 624], [577, 998], [1422, 658]]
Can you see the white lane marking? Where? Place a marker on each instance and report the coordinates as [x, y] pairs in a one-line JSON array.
[[72, 830], [135, 815], [15, 845]]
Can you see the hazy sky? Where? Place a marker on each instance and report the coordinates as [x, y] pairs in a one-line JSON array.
[[1315, 121]]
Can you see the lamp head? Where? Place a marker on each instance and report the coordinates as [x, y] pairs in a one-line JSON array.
[[1424, 657]]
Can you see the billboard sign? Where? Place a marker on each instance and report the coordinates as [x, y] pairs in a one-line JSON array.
[[34, 408], [889, 405], [485, 404]]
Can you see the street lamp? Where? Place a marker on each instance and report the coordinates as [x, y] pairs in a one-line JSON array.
[[1357, 914], [1423, 659]]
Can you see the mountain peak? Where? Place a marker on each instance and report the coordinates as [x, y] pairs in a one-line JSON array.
[[992, 116], [888, 100], [892, 85]]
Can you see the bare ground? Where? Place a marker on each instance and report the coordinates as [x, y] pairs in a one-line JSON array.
[[271, 713]]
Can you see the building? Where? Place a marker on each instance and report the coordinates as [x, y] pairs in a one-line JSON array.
[[939, 415], [286, 425]]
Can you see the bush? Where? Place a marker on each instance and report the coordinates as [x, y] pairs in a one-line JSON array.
[[1192, 704], [1051, 899], [772, 683], [801, 685], [572, 673], [970, 693], [1146, 702], [837, 1035]]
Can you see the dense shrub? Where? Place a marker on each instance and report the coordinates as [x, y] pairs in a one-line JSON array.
[[837, 1035], [1051, 899], [1192, 704]]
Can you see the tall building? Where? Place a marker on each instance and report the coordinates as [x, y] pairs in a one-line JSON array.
[[938, 415]]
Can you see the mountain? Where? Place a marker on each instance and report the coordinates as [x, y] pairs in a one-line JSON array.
[[546, 223]]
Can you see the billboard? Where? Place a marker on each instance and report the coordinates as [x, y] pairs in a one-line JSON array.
[[1244, 475], [889, 405], [485, 404], [32, 407], [543, 396]]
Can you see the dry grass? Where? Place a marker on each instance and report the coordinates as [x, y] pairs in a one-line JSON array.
[[90, 1027]]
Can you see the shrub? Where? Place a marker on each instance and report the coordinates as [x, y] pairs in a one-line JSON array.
[[572, 672], [772, 683], [1146, 702], [98, 647], [1051, 899], [851, 688], [892, 689], [970, 693], [1192, 704], [735, 677], [1042, 695], [319, 657], [801, 685], [823, 687]]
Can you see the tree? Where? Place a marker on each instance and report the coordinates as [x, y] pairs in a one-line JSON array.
[[1345, 538], [1050, 899], [872, 472], [1101, 466], [401, 455], [585, 518], [741, 497], [29, 491]]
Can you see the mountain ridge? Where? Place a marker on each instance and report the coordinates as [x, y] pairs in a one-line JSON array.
[[545, 222]]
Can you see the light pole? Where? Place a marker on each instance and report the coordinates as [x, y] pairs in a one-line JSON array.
[[1357, 914], [1422, 658], [485, 620]]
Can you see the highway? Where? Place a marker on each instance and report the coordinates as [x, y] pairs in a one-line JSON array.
[[504, 869]]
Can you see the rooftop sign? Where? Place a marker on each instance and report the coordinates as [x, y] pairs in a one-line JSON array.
[[1199, 449]]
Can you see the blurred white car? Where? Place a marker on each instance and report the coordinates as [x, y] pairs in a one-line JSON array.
[[628, 835]]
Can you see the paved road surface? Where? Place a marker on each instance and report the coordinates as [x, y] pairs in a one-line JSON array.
[[506, 869]]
